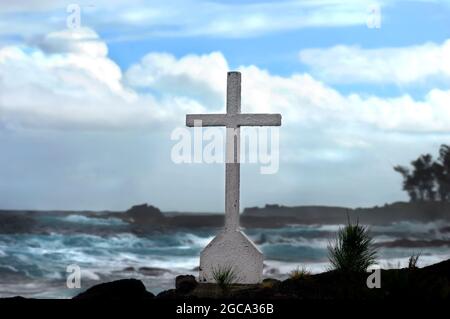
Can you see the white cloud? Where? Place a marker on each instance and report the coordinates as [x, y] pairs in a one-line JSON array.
[[302, 99], [81, 41], [404, 65], [68, 82], [200, 77], [71, 82]]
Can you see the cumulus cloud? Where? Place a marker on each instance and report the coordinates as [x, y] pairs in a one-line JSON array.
[[303, 99], [66, 81], [404, 65], [197, 76], [299, 97], [83, 41], [69, 81]]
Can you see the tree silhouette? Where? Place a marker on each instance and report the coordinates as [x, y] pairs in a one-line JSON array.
[[408, 182], [428, 180], [442, 173], [423, 177]]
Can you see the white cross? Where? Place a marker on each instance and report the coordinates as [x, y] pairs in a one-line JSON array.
[[231, 247], [233, 120]]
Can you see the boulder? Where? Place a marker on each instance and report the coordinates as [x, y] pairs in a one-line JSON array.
[[124, 289], [144, 214], [185, 284]]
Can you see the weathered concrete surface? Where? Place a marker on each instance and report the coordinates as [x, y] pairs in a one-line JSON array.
[[233, 120], [232, 249]]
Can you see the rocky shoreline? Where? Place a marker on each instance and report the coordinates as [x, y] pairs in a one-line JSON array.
[[144, 218], [428, 283]]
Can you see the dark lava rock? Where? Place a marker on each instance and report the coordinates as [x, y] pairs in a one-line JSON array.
[[125, 289], [169, 294], [185, 284], [144, 214], [442, 268], [428, 283], [12, 223]]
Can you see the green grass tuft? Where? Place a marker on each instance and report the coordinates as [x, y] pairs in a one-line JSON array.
[[224, 276], [412, 262], [299, 273]]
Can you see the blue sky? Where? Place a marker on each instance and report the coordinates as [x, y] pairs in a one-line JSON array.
[[403, 24], [86, 114]]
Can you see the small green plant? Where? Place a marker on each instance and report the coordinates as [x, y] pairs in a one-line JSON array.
[[412, 262], [224, 276], [299, 273], [353, 249]]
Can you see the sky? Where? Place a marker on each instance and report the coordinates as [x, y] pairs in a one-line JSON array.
[[87, 109]]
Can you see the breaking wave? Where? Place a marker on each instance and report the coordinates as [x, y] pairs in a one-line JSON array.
[[34, 264], [81, 219]]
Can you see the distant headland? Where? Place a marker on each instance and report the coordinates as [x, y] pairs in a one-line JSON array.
[[146, 217]]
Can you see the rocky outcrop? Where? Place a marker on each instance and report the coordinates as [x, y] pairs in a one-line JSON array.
[[428, 283], [124, 289], [185, 284], [144, 214], [16, 222]]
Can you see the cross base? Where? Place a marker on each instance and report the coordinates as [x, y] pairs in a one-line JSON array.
[[232, 249]]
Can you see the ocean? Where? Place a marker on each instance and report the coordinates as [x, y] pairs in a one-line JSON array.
[[34, 263]]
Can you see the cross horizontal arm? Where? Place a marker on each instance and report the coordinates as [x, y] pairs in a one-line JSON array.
[[249, 119], [207, 119], [234, 120]]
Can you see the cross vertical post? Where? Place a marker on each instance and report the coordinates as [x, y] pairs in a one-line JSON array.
[[232, 165]]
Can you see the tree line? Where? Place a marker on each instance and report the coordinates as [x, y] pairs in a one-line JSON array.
[[428, 179]]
